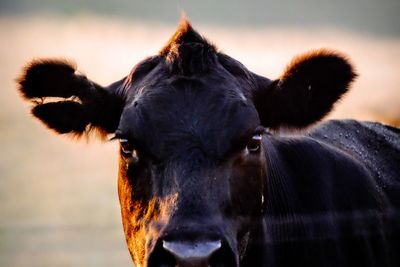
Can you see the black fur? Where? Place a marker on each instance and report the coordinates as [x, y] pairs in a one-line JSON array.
[[191, 168], [187, 52], [306, 91], [50, 78], [88, 105], [62, 116]]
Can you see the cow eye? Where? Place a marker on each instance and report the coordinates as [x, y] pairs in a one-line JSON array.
[[127, 149], [254, 143], [125, 146]]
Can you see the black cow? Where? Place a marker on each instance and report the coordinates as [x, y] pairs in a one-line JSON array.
[[204, 177]]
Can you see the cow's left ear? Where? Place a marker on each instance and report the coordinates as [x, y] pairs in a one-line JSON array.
[[306, 91]]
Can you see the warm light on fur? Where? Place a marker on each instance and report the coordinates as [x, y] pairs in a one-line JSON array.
[[203, 182]]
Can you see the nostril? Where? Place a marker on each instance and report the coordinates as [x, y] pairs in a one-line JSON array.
[[161, 258], [223, 258], [194, 254]]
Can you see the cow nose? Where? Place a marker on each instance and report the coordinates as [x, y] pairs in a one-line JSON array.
[[192, 254]]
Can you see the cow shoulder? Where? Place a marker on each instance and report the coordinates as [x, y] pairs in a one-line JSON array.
[[374, 145], [309, 176]]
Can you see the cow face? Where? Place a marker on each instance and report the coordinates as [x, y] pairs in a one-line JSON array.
[[189, 146], [191, 123]]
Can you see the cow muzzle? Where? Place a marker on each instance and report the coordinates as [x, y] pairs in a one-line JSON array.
[[189, 254], [184, 253]]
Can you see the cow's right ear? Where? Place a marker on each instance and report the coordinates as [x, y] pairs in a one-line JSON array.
[[84, 105]]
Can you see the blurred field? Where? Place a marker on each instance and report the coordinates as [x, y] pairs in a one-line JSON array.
[[58, 199]]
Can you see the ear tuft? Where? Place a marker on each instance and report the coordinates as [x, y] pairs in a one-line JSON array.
[[40, 77], [321, 66]]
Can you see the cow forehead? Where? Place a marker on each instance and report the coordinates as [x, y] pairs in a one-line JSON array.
[[189, 113]]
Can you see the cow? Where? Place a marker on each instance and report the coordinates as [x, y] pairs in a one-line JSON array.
[[207, 176]]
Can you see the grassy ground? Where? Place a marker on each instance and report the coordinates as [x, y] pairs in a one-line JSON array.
[[58, 198]]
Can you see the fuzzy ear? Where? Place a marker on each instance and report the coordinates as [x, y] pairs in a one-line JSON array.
[[306, 91], [86, 105]]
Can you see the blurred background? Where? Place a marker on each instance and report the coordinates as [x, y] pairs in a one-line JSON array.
[[58, 197]]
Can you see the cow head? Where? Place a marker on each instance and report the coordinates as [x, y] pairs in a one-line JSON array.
[[191, 124]]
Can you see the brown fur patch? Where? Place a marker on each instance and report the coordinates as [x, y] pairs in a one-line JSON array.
[[184, 34]]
